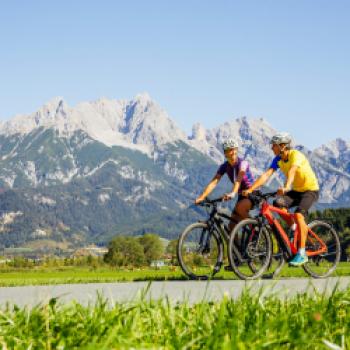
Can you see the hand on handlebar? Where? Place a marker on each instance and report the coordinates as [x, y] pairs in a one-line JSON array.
[[246, 193], [282, 190], [199, 200], [229, 196]]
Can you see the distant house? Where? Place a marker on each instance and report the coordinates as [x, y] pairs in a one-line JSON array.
[[90, 250], [158, 263], [4, 261]]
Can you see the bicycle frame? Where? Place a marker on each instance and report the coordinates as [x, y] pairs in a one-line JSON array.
[[267, 211], [216, 221]]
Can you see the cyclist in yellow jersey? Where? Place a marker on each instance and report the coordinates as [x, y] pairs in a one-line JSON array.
[[301, 188]]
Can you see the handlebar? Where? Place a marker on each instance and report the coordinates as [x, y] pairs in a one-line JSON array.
[[257, 196], [210, 202]]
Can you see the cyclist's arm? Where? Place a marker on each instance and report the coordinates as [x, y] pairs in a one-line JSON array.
[[237, 183], [260, 181], [295, 161], [290, 177], [236, 186], [212, 184]]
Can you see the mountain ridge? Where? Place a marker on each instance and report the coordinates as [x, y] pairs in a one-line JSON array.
[[56, 113], [151, 168]]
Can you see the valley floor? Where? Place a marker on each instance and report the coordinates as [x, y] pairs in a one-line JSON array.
[[69, 275]]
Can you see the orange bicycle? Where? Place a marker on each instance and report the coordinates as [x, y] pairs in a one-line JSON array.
[[322, 245]]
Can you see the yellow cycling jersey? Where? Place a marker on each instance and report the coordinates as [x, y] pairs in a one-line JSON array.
[[305, 178]]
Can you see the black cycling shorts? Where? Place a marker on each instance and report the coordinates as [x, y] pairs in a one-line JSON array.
[[302, 200]]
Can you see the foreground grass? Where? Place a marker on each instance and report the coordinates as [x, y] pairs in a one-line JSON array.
[[250, 322], [64, 275]]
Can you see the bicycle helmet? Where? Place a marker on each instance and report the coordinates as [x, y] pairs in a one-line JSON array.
[[281, 138], [229, 144]]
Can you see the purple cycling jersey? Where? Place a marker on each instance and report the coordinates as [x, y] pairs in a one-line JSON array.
[[232, 173]]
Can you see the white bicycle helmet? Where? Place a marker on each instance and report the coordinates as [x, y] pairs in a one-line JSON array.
[[229, 144], [281, 138]]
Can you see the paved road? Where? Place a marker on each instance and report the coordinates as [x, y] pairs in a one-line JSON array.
[[191, 291]]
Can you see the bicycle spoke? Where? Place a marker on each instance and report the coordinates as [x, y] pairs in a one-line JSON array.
[[249, 249], [199, 251], [327, 254], [324, 263]]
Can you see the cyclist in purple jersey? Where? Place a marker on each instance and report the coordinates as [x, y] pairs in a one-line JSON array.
[[241, 177], [232, 172]]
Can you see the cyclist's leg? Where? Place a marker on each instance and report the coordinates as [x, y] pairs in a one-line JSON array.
[[240, 211], [307, 199], [235, 219], [243, 206], [285, 202]]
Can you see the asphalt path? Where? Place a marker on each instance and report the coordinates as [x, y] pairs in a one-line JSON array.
[[175, 291]]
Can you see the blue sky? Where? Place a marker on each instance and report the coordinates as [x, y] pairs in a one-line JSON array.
[[203, 61]]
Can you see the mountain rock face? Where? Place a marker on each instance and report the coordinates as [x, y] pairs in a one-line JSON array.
[[333, 166], [138, 124], [85, 173], [337, 154]]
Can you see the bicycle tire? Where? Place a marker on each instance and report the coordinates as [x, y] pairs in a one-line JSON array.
[[196, 272], [241, 267], [278, 259], [275, 269], [322, 265]]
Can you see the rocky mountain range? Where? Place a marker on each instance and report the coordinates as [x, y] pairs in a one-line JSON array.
[[85, 173]]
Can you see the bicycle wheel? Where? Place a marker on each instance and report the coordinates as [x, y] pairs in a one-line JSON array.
[[249, 249], [277, 258], [200, 251], [322, 264]]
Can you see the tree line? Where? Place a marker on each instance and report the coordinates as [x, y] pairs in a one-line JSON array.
[[137, 251], [340, 220]]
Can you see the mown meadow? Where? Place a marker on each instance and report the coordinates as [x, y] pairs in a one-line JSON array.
[[250, 322], [84, 274]]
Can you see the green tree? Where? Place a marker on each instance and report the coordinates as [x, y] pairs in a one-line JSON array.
[[152, 247], [347, 252], [125, 251], [171, 250]]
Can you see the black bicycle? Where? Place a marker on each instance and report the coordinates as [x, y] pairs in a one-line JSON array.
[[200, 248]]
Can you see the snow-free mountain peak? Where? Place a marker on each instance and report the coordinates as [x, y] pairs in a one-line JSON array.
[[198, 132], [143, 98], [335, 148], [139, 123], [147, 123]]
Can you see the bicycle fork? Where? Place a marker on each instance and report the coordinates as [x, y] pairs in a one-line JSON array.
[[204, 241]]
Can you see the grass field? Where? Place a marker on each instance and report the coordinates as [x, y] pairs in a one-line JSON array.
[[250, 322], [62, 275]]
